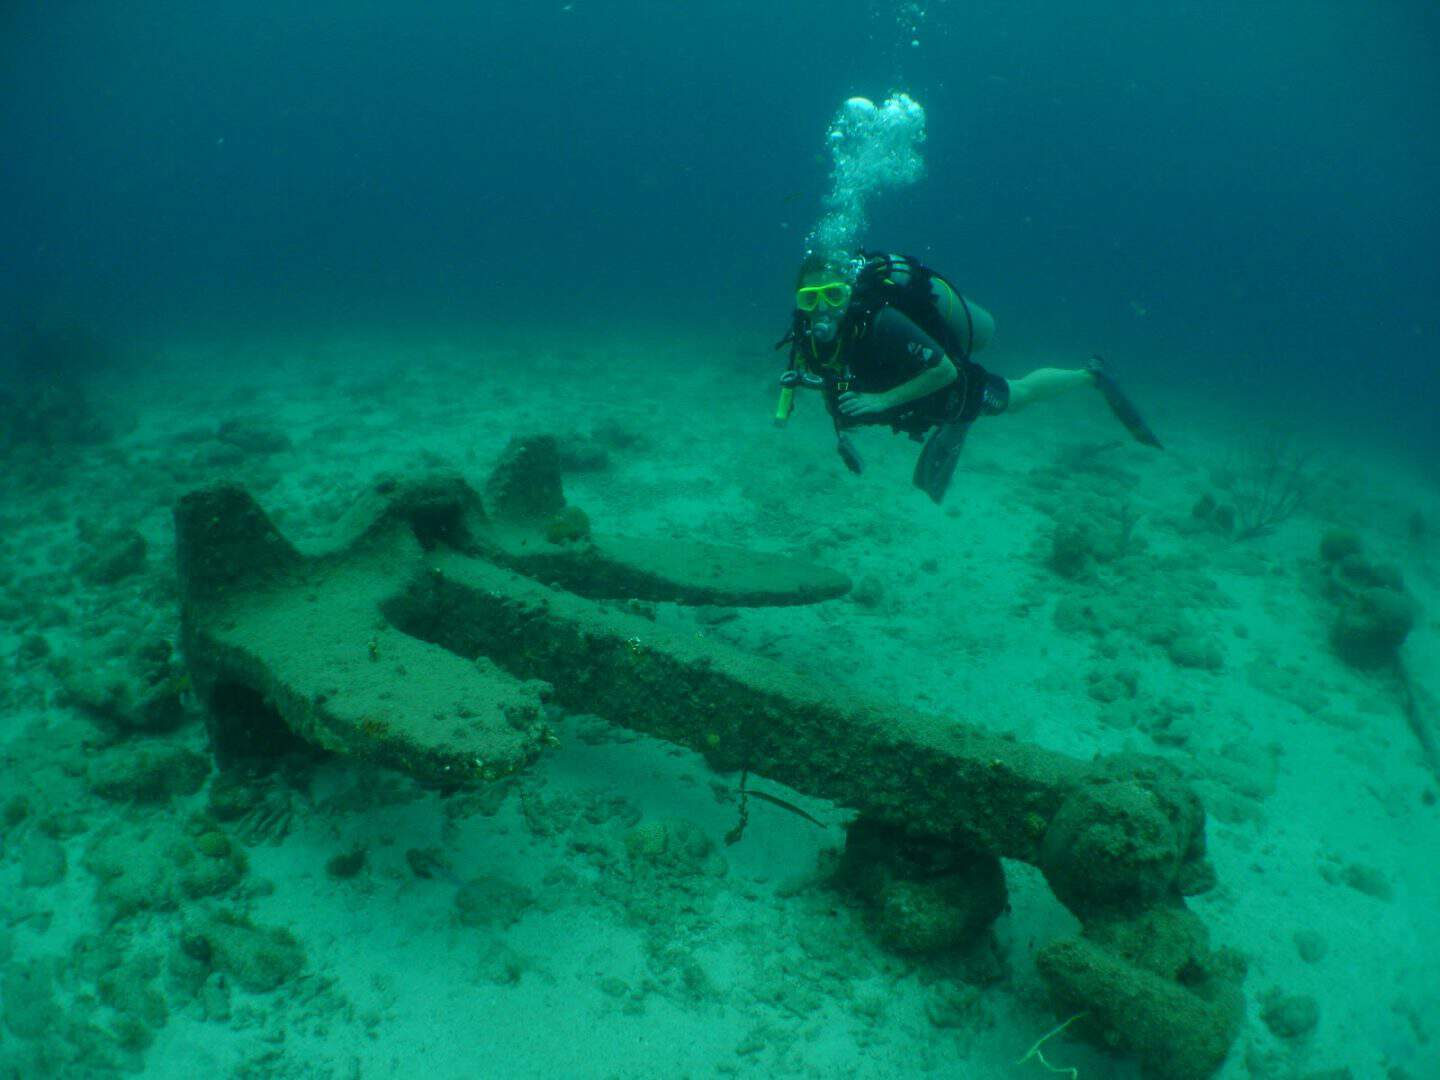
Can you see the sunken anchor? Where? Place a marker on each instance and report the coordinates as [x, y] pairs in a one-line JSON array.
[[429, 636]]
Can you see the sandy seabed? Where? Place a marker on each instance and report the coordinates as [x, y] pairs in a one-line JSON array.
[[517, 933]]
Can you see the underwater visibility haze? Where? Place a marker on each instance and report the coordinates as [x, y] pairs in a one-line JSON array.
[[443, 634]]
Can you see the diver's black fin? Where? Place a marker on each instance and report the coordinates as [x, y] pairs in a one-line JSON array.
[[938, 458], [848, 453], [1121, 405]]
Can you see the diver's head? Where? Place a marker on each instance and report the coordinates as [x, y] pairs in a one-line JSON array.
[[823, 289]]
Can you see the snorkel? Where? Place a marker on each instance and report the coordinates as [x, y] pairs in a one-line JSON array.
[[803, 344]]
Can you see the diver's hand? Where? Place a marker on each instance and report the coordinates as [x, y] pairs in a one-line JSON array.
[[853, 403]]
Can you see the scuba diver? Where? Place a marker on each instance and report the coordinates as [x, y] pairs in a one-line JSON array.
[[888, 340]]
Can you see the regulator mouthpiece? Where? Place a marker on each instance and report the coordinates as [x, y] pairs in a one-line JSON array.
[[823, 330]]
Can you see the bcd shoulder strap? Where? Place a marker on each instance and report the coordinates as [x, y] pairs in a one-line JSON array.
[[876, 288]]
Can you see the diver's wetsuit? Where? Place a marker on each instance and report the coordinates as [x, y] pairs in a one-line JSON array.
[[890, 351], [903, 320], [893, 351]]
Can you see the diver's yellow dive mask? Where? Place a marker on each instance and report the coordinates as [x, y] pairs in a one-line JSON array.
[[835, 294]]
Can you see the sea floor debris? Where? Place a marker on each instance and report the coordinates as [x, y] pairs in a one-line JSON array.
[[430, 635]]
